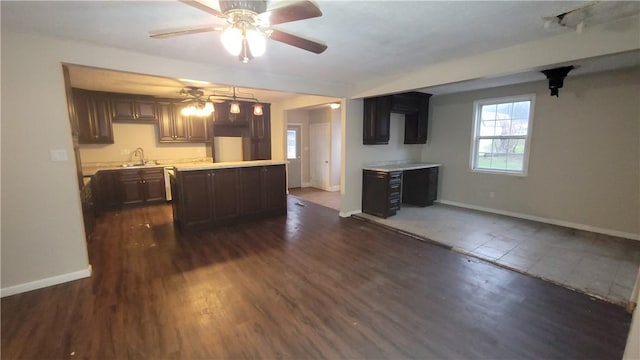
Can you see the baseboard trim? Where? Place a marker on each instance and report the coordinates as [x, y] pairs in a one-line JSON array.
[[306, 184], [46, 282], [568, 224], [335, 188], [349, 213]]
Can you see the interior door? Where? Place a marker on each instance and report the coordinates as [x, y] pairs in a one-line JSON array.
[[294, 175], [320, 153]]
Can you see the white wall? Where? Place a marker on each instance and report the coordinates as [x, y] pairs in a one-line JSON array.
[[42, 231], [357, 155], [584, 165], [130, 136]]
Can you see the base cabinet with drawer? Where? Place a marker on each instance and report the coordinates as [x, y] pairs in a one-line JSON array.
[[381, 192], [384, 190]]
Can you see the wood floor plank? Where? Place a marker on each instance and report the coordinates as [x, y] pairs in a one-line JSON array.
[[309, 285]]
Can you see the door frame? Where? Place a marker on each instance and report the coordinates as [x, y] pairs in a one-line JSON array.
[[325, 185], [301, 151]]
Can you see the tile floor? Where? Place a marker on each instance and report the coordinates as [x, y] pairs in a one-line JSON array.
[[599, 265]]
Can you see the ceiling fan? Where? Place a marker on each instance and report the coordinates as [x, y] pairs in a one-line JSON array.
[[250, 24]]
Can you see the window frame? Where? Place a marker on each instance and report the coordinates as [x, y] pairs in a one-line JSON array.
[[475, 137]]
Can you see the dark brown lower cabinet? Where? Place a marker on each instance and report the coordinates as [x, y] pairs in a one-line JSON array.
[[139, 186], [114, 188], [88, 209], [420, 187], [383, 192], [208, 197], [105, 190]]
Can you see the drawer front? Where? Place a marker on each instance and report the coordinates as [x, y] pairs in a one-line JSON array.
[[395, 176], [394, 203]]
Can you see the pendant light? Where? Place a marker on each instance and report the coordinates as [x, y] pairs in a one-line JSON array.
[[234, 107], [257, 109]]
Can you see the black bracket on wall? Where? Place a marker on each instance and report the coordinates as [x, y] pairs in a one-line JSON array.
[[556, 78]]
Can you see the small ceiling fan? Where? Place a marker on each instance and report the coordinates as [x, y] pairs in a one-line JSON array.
[[250, 24]]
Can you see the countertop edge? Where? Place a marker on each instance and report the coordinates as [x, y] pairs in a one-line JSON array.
[[92, 170], [401, 167], [212, 166]]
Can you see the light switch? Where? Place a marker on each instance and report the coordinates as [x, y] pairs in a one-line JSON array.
[[58, 155]]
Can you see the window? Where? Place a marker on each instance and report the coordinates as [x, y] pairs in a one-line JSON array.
[[291, 144], [502, 133]]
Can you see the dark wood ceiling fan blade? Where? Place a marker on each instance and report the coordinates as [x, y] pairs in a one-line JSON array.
[[297, 41], [202, 6], [299, 10], [163, 34]]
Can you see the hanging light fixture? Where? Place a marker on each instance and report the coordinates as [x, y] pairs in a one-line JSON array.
[[234, 107], [257, 109]]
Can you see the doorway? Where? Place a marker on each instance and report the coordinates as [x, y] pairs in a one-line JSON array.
[[294, 148], [319, 154]]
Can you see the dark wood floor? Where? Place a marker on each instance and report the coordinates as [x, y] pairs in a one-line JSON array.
[[310, 285]]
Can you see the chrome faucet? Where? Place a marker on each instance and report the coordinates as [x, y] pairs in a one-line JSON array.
[[139, 152]]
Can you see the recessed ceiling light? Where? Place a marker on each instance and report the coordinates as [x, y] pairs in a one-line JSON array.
[[334, 105]]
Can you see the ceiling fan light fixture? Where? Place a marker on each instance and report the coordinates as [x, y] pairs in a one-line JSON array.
[[257, 109], [257, 42], [199, 109], [231, 39]]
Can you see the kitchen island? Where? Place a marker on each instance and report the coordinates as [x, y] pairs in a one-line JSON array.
[[209, 194]]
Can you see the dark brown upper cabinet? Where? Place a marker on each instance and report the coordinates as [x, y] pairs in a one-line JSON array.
[[128, 108], [258, 145], [93, 111], [416, 123], [174, 127], [377, 117], [171, 128]]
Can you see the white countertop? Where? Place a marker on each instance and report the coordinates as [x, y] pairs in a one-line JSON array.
[[224, 165], [401, 167], [92, 170], [182, 166]]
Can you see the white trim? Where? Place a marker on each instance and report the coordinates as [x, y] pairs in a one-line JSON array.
[[335, 188], [42, 283], [568, 224], [305, 184], [349, 213]]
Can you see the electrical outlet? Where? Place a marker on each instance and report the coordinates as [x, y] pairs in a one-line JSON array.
[[124, 151]]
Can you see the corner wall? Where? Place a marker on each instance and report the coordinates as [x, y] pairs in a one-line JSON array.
[[584, 166]]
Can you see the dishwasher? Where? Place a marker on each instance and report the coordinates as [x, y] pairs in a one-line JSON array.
[[168, 172]]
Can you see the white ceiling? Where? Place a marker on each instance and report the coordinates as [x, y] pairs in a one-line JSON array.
[[366, 39]]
